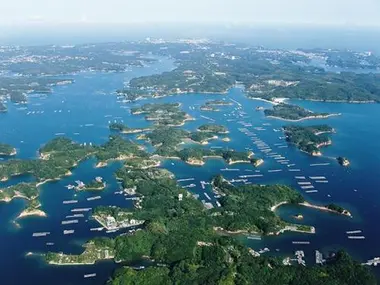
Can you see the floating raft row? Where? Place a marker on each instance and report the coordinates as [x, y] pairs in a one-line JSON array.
[[94, 198], [307, 187], [304, 183], [96, 229], [89, 275], [356, 237], [251, 176], [294, 170], [320, 164], [185, 179], [254, 237], [68, 232], [81, 210], [354, 232], [300, 242], [299, 177], [69, 222], [75, 216], [70, 202], [42, 234], [311, 191], [317, 177], [274, 170]]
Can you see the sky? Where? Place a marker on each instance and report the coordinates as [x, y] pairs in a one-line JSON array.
[[315, 12]]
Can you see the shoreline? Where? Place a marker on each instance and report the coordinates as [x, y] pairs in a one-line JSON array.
[[306, 118], [308, 205], [35, 212]]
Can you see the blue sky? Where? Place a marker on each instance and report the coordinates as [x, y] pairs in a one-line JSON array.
[[320, 12]]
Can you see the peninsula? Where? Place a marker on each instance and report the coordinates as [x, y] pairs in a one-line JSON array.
[[165, 114]]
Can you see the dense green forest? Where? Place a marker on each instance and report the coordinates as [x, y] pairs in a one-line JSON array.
[[308, 139], [292, 112], [6, 149], [179, 235]]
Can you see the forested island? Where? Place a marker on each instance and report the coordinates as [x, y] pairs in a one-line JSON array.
[[309, 139], [167, 139], [7, 150], [165, 114], [57, 158], [213, 105], [213, 128], [218, 103], [290, 112], [202, 255]]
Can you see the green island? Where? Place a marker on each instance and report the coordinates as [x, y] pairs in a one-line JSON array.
[[166, 114], [196, 156], [309, 139], [124, 129], [343, 161], [202, 255], [290, 112], [167, 139], [7, 150], [213, 105], [96, 184], [57, 158], [218, 103], [213, 128]]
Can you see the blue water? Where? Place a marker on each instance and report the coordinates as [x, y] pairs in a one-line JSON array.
[[91, 100]]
